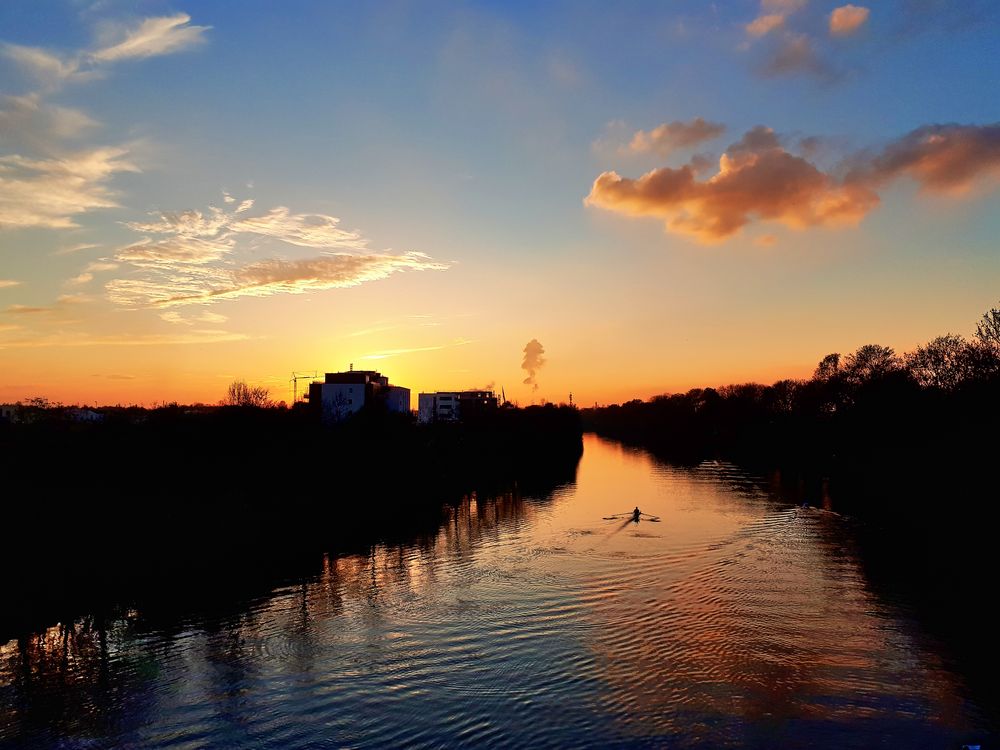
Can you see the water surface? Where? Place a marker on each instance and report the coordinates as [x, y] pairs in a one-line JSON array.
[[738, 620]]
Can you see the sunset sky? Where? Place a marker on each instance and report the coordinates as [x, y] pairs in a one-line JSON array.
[[662, 195]]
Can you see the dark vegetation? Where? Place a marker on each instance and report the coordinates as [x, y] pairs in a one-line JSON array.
[[907, 444], [157, 499]]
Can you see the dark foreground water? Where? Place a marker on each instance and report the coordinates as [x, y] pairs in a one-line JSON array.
[[738, 620]]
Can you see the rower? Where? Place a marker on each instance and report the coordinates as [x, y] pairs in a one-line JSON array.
[[635, 514]]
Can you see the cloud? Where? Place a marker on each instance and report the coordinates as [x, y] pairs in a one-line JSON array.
[[793, 54], [75, 248], [172, 316], [25, 310], [80, 279], [757, 179], [533, 361], [73, 340], [386, 353], [185, 223], [6, 283], [672, 136], [31, 125], [151, 38], [187, 257], [765, 24], [44, 65], [772, 16], [179, 250], [847, 19], [266, 278], [305, 230], [940, 158], [87, 274], [50, 192]]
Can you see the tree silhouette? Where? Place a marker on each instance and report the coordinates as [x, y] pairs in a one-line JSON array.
[[828, 367], [871, 362], [241, 394], [945, 362], [988, 330]]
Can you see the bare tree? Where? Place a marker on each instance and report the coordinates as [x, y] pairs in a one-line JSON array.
[[943, 363], [827, 367], [241, 394], [988, 330], [871, 361]]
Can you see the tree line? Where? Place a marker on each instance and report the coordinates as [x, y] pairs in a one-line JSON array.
[[859, 414]]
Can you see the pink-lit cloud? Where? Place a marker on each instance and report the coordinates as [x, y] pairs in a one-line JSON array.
[[847, 19], [265, 278], [756, 179], [765, 24], [940, 158], [759, 180], [672, 136]]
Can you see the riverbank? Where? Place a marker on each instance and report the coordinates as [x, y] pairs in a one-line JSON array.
[[93, 511]]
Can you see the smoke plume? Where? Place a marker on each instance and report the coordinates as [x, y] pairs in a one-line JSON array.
[[533, 361]]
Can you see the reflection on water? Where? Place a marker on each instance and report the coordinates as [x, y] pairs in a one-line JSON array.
[[737, 621]]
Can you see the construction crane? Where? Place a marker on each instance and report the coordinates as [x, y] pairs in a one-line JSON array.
[[296, 377]]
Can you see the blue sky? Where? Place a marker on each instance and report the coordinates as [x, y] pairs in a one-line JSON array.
[[471, 134]]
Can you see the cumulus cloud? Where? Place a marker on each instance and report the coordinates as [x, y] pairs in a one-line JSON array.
[[672, 136], [6, 283], [772, 16], [533, 362], [756, 178], [150, 38], [940, 158], [268, 277], [847, 19], [765, 24], [50, 192]]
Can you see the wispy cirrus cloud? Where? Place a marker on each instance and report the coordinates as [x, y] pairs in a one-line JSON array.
[[7, 283], [74, 339], [152, 37], [387, 353], [304, 230], [87, 274], [46, 178], [190, 257], [51, 192], [267, 278], [758, 179]]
